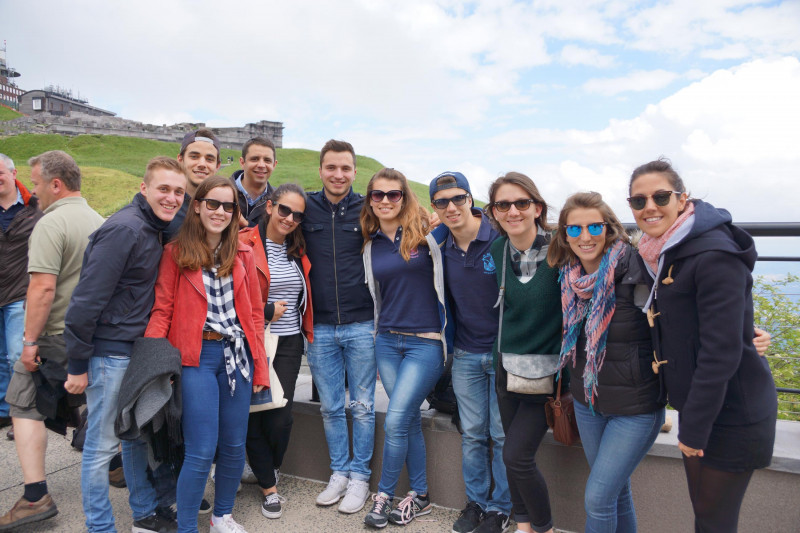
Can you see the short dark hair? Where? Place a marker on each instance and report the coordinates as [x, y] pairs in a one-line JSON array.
[[202, 132], [259, 141], [58, 164], [337, 146], [662, 165]]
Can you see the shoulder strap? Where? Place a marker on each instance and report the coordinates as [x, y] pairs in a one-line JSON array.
[[501, 297]]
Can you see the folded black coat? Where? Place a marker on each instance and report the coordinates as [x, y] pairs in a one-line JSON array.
[[52, 401]]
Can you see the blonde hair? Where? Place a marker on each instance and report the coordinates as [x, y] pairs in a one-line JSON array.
[[413, 217]]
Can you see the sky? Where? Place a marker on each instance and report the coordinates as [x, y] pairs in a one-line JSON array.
[[575, 94]]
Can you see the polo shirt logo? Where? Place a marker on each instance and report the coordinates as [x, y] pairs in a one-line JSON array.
[[413, 254], [488, 264]]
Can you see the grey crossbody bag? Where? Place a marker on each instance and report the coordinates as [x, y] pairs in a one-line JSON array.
[[527, 373]]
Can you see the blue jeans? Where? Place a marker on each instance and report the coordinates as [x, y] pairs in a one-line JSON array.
[[409, 367], [614, 446], [338, 349], [12, 325], [211, 416], [105, 379], [473, 383]]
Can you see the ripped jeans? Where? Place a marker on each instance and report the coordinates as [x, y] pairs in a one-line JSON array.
[[336, 350]]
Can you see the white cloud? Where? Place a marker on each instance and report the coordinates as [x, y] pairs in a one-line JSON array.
[[636, 81], [732, 135], [576, 55]]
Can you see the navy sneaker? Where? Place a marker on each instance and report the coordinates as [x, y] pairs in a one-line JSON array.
[[409, 508]]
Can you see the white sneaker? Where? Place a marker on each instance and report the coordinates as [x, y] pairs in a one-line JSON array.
[[214, 481], [225, 524], [247, 475], [356, 497], [337, 487]]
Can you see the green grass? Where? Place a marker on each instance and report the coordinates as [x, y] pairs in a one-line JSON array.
[[105, 189], [6, 113], [113, 165]]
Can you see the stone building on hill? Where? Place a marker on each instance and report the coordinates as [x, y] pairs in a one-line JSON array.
[[57, 102]]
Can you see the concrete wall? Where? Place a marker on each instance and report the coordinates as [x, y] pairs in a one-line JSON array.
[[659, 484]]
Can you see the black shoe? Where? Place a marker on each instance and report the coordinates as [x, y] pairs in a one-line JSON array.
[[170, 513], [10, 434], [271, 507], [495, 522], [205, 507], [154, 524], [469, 519]]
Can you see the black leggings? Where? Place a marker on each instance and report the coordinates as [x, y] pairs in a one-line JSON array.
[[268, 431], [525, 425], [716, 496]]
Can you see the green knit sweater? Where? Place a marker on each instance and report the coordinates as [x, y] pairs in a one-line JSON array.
[[532, 312]]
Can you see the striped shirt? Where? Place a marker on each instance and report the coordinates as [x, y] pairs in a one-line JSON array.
[[285, 284]]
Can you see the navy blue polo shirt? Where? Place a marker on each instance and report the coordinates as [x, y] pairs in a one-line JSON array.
[[472, 286], [408, 298], [7, 215]]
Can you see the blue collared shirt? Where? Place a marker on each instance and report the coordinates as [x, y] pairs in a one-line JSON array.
[[408, 298], [472, 287], [7, 215], [250, 200]]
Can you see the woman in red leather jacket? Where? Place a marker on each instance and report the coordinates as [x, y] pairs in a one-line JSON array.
[[209, 306]]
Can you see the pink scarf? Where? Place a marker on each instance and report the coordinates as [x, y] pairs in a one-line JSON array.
[[650, 247]]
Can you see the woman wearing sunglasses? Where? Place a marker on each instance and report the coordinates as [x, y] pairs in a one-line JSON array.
[[530, 324], [606, 340], [283, 269], [208, 305], [700, 310], [403, 266]]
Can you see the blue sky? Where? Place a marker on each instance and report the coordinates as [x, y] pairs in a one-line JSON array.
[[575, 94]]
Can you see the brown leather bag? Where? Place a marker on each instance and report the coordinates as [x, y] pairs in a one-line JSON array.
[[560, 414]]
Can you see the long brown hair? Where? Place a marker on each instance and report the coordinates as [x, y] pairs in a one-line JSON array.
[[191, 248], [560, 253], [413, 217], [295, 243], [526, 184]]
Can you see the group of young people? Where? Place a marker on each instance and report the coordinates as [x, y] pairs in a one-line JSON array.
[[394, 293]]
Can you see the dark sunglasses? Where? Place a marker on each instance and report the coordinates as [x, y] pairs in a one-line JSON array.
[[378, 196], [285, 211], [574, 230], [213, 205], [521, 205], [661, 198], [442, 203]]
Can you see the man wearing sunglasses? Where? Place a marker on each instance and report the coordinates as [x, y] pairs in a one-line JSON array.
[[466, 235], [343, 325], [109, 309], [252, 182]]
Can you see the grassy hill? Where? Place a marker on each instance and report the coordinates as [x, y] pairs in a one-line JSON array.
[[112, 166], [6, 113]]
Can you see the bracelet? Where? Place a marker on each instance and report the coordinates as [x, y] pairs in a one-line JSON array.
[[29, 343]]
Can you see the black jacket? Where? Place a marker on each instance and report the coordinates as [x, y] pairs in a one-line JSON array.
[[115, 293], [256, 212], [626, 384], [704, 331], [14, 249], [333, 244]]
